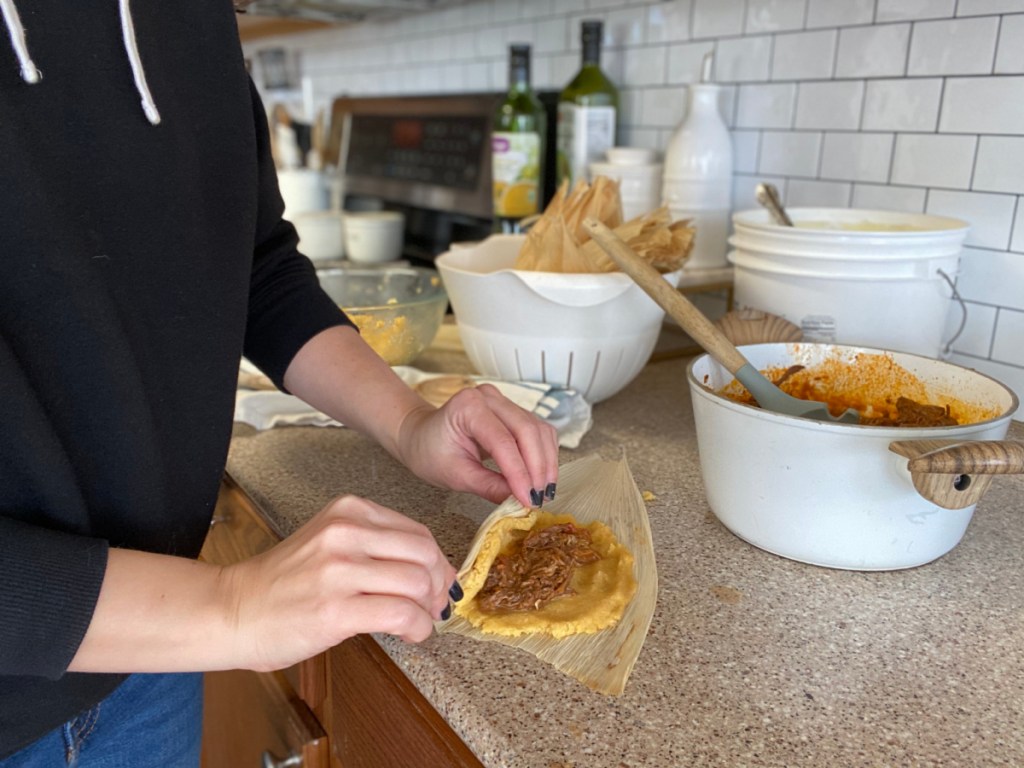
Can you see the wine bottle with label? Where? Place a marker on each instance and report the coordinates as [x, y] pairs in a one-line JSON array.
[[588, 109], [517, 147]]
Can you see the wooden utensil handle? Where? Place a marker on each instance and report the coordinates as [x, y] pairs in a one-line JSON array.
[[678, 307]]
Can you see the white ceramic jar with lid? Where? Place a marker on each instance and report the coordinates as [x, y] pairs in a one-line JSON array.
[[697, 174], [374, 236], [639, 175]]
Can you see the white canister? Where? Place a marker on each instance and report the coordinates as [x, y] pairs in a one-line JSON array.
[[303, 190], [374, 236], [639, 183], [321, 234]]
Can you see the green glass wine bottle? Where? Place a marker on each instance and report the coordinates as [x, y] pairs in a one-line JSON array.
[[588, 110], [517, 147]]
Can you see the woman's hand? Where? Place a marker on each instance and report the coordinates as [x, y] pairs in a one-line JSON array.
[[354, 567], [337, 372], [448, 446]]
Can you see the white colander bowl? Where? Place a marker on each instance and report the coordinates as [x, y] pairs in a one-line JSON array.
[[591, 332]]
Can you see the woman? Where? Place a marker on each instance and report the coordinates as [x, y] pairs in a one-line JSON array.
[[142, 252]]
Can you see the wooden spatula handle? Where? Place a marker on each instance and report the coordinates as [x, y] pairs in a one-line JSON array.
[[678, 307]]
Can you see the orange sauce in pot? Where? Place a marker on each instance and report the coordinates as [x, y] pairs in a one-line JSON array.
[[883, 392]]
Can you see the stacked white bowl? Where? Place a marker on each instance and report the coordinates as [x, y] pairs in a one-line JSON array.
[[638, 172]]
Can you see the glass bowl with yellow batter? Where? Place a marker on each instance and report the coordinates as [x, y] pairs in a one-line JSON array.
[[398, 309]]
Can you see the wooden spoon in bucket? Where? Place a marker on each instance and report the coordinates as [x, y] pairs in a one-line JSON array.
[[705, 333]]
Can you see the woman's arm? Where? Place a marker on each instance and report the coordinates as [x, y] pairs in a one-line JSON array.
[[354, 567]]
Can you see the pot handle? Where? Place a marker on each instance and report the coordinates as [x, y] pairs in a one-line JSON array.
[[955, 475]]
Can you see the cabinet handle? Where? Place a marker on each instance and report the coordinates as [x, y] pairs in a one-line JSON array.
[[270, 761]]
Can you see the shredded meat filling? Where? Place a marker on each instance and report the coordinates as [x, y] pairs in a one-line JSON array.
[[538, 570], [910, 413]]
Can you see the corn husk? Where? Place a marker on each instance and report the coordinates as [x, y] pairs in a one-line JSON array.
[[589, 489], [558, 242]]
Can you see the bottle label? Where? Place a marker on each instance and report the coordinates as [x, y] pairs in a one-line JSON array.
[[584, 135], [516, 173]]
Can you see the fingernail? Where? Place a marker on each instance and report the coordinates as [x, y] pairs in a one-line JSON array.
[[447, 612], [550, 491], [536, 497], [456, 593]]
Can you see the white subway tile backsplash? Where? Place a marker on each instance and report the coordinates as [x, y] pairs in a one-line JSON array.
[[978, 328], [830, 105], [662, 107], [856, 156], [1000, 164], [685, 60], [622, 27], [954, 47], [817, 194], [839, 13], [892, 104], [1010, 53], [804, 55], [714, 18], [933, 160], [766, 105], [992, 277], [887, 198], [983, 105], [902, 105], [878, 51], [790, 153], [669, 22], [1017, 239], [743, 59], [775, 15], [990, 217], [988, 7], [906, 10], [745, 149], [644, 66], [551, 37], [1009, 336]]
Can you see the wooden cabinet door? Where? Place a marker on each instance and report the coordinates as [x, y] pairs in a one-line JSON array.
[[248, 714], [378, 719]]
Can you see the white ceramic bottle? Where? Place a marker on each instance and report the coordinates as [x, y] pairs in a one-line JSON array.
[[697, 173]]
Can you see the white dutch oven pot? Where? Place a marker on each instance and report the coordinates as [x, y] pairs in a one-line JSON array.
[[845, 495]]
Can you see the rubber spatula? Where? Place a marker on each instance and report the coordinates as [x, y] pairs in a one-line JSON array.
[[705, 333]]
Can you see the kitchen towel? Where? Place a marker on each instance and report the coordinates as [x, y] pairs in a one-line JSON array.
[[564, 409]]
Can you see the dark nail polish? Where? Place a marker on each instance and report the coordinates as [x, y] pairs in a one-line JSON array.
[[550, 491], [456, 593], [447, 612], [536, 497]]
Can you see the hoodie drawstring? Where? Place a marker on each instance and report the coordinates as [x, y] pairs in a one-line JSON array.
[[30, 74], [138, 73]]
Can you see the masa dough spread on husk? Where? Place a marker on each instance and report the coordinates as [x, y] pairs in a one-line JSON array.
[[602, 589]]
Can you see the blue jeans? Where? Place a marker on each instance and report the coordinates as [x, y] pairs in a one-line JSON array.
[[150, 721]]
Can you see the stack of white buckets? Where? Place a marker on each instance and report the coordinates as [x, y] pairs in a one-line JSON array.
[[870, 278]]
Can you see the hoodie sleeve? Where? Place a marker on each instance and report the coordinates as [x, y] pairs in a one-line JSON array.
[[41, 635], [286, 305]]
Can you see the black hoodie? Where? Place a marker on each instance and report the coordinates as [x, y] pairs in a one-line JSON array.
[[142, 251]]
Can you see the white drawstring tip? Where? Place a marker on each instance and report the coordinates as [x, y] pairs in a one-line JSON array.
[[30, 73], [151, 113]]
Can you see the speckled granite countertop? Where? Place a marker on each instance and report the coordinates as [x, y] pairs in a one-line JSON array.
[[751, 660]]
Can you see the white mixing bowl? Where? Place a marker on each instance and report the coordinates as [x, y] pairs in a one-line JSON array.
[[591, 332]]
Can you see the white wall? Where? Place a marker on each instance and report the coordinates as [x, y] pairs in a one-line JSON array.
[[913, 105]]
